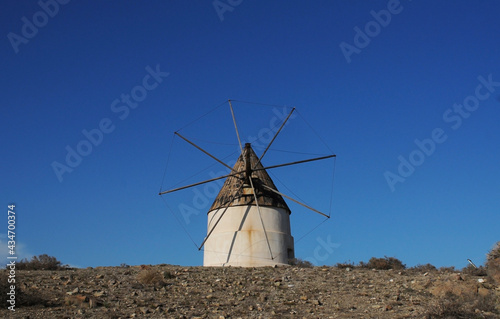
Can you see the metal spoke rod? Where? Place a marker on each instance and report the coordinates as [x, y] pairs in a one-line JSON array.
[[306, 206], [275, 135], [215, 158], [196, 184], [297, 162], [235, 126], [218, 220], [260, 216]]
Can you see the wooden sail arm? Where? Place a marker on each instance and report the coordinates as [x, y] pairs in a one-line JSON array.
[[297, 162], [296, 201]]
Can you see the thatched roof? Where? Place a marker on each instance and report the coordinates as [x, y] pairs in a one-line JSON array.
[[234, 192]]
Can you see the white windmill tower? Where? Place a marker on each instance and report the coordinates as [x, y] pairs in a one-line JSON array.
[[249, 221]]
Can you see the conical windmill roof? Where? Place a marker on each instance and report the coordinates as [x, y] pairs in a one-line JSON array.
[[236, 192]]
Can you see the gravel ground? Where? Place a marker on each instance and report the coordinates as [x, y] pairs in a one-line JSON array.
[[166, 291]]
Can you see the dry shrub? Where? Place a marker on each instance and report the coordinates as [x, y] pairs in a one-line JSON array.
[[423, 268], [384, 263], [23, 298], [41, 262], [345, 265], [463, 306], [447, 269], [300, 263], [168, 275], [151, 277], [473, 271], [493, 263]]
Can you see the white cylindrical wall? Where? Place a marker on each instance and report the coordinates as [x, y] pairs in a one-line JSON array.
[[239, 238]]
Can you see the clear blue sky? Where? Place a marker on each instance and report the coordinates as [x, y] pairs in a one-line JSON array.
[[369, 89]]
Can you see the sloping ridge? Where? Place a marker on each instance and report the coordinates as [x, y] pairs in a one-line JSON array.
[[235, 193]]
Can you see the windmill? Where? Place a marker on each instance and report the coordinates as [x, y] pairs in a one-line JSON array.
[[249, 221]]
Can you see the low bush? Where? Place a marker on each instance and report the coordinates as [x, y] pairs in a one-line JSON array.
[[23, 298], [384, 263], [465, 306], [447, 269], [41, 262], [493, 263], [297, 262], [345, 265], [423, 268], [474, 271]]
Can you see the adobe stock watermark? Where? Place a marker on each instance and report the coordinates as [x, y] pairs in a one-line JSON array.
[[121, 106], [454, 116], [323, 250], [372, 28], [223, 6], [30, 28], [201, 200]]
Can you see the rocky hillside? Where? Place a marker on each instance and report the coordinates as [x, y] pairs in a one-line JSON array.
[[166, 291]]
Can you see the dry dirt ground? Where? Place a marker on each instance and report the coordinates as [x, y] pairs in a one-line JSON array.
[[166, 291]]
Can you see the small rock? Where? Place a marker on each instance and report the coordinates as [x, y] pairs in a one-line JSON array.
[[483, 292], [457, 277], [303, 297], [92, 303]]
